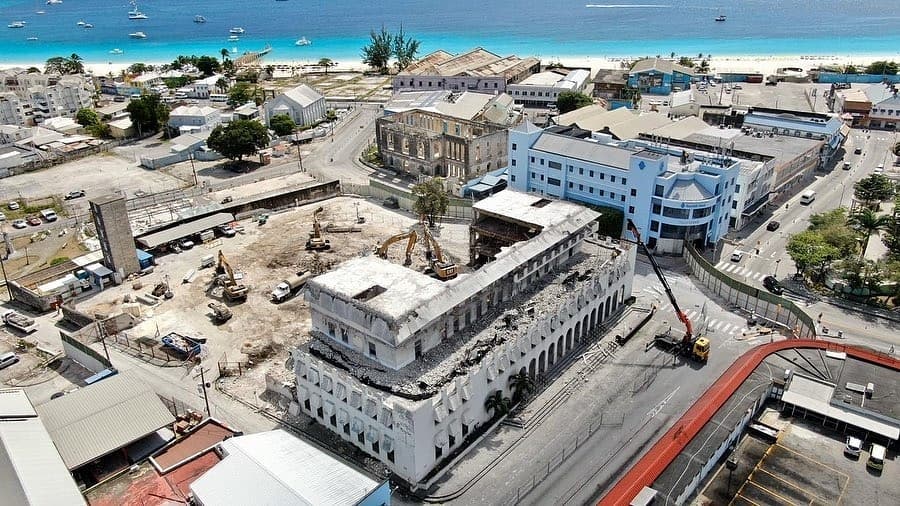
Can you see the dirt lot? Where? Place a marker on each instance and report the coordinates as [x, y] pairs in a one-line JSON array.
[[263, 255]]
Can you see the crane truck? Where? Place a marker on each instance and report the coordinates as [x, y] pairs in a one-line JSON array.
[[233, 291], [688, 345], [382, 250], [440, 267], [316, 242]]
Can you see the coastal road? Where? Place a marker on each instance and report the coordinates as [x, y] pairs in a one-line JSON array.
[[833, 190]]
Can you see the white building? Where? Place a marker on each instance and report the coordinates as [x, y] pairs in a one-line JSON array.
[[885, 101], [202, 88], [387, 368], [303, 104], [192, 119], [14, 110], [543, 88], [28, 99]]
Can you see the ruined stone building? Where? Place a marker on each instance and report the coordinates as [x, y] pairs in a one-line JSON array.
[[477, 70], [400, 364], [458, 137]]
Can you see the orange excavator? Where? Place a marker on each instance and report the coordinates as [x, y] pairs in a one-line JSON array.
[[689, 345], [440, 267], [382, 250]]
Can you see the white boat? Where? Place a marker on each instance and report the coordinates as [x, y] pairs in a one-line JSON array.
[[237, 30], [135, 13], [199, 19], [32, 38], [116, 51], [16, 24], [54, 2], [303, 41], [138, 35], [80, 22], [41, 11], [233, 38], [88, 25], [721, 17]]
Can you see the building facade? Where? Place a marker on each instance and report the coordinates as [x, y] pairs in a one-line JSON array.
[[303, 104], [671, 195], [885, 110], [477, 70], [192, 119], [409, 399], [28, 99], [542, 89], [110, 217], [657, 76]]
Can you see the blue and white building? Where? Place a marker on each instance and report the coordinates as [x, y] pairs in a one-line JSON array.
[[657, 76], [671, 194], [810, 125]]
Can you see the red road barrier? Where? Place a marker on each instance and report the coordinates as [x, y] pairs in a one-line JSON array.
[[651, 465]]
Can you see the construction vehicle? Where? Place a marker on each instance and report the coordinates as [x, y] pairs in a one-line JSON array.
[[233, 291], [437, 264], [688, 345], [221, 313], [316, 242], [290, 286], [19, 322], [382, 250]]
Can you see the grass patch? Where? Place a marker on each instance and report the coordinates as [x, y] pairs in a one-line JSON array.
[[59, 260]]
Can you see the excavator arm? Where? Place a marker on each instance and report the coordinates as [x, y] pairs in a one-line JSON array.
[[225, 267], [382, 250], [688, 326]]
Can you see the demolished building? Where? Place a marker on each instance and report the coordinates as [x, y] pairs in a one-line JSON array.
[[400, 363]]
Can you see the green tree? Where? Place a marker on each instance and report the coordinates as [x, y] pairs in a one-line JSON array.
[[378, 52], [87, 117], [873, 189], [882, 67], [33, 70], [282, 124], [229, 68], [522, 385], [56, 65], [431, 199], [326, 63], [405, 49], [238, 139], [571, 100], [222, 84], [225, 53], [851, 69], [240, 94], [497, 403], [704, 66], [100, 130], [75, 65], [148, 113], [687, 62], [137, 68], [207, 65], [868, 222], [897, 149], [809, 251], [835, 217]]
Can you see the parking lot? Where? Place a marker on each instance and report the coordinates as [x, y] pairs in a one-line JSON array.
[[785, 476]]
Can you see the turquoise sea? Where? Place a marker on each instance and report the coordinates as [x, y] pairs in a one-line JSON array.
[[549, 29]]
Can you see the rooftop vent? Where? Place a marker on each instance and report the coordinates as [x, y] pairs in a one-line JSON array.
[[370, 293], [541, 203]]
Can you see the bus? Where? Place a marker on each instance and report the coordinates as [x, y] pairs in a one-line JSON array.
[[218, 97]]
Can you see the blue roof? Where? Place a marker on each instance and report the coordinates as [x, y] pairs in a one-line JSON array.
[[143, 255]]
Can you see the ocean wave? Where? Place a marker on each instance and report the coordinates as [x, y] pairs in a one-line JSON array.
[[627, 6]]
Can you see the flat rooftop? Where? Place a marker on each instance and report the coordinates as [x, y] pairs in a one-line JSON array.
[[463, 349]]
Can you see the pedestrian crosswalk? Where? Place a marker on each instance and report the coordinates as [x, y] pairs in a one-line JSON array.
[[735, 270], [702, 324]]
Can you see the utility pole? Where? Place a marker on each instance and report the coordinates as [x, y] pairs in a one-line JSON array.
[[102, 335], [299, 156], [5, 279], [193, 169], [203, 384]]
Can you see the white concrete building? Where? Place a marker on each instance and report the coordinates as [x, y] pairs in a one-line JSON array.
[[397, 365], [28, 99], [543, 88], [192, 119], [303, 104], [14, 110], [885, 101]]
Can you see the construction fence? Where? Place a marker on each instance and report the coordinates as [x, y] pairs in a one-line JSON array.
[[758, 303], [457, 208]]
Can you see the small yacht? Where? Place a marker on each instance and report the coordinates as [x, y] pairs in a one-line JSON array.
[[41, 11], [721, 17], [116, 51], [233, 38], [88, 25], [237, 30], [31, 39], [135, 13], [80, 22], [303, 41], [54, 2], [16, 24], [199, 19], [138, 35]]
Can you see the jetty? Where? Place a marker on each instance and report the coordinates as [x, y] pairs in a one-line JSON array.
[[252, 58]]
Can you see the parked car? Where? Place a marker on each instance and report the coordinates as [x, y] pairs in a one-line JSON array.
[[13, 205], [227, 199], [186, 244], [225, 230], [20, 223], [74, 194], [773, 285], [773, 226], [857, 151], [8, 359], [2, 217], [846, 166], [853, 446], [33, 221], [140, 193], [737, 256]]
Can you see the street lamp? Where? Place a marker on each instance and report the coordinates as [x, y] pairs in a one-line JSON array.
[[777, 262]]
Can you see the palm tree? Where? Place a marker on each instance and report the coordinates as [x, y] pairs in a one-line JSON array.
[[522, 385], [672, 54], [497, 403], [75, 64], [868, 222], [326, 62], [224, 52], [222, 84]]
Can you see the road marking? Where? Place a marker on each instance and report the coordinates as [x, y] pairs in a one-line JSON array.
[[729, 268], [719, 326], [773, 254], [656, 409], [757, 276], [720, 264]]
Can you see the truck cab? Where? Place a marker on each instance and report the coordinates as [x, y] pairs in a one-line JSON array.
[[701, 349]]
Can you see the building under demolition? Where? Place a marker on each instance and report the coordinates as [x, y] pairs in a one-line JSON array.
[[401, 363]]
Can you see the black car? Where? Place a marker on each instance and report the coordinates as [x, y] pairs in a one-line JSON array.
[[857, 151], [772, 285], [773, 226]]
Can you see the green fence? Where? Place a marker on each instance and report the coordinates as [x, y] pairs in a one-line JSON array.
[[761, 303]]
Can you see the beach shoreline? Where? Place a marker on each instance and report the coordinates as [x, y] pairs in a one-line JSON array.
[[765, 64]]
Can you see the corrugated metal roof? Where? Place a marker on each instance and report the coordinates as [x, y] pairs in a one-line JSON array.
[[31, 470], [155, 239], [96, 420], [276, 468], [303, 95], [582, 149]]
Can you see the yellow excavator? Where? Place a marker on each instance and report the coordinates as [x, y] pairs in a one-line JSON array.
[[382, 250], [439, 266], [316, 242], [233, 291]]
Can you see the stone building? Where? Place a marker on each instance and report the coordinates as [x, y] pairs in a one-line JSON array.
[[458, 138], [400, 364], [477, 70]]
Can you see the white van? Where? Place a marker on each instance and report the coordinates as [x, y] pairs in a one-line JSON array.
[[8, 359], [807, 197], [49, 215], [876, 457]]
